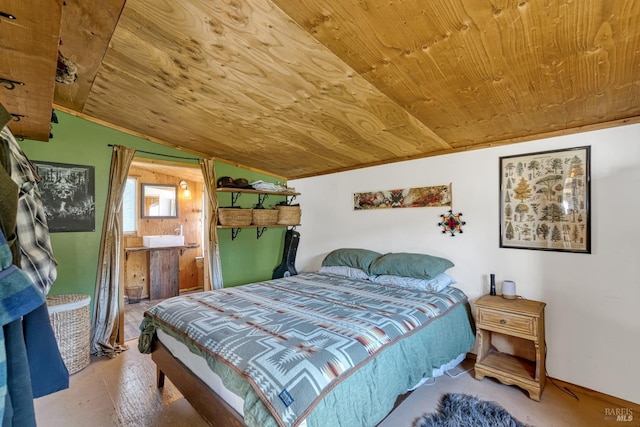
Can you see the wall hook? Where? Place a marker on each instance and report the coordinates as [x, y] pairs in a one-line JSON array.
[[10, 84], [7, 15]]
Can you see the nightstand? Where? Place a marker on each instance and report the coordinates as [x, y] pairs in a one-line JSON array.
[[511, 345]]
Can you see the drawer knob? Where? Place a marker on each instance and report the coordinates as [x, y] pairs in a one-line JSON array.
[[503, 321]]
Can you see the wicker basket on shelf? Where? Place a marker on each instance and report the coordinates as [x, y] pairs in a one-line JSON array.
[[289, 215], [69, 317], [235, 216], [265, 216]]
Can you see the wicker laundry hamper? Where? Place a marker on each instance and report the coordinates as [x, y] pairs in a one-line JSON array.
[[70, 320]]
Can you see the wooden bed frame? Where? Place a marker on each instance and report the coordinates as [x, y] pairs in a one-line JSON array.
[[208, 403], [213, 408], [205, 401]]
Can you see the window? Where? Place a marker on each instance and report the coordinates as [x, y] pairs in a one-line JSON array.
[[129, 206]]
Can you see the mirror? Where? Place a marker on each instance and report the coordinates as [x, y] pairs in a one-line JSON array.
[[159, 201]]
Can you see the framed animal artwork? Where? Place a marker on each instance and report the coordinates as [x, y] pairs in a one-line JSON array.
[[68, 196]]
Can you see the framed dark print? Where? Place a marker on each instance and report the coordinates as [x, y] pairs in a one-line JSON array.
[[68, 196], [545, 201]]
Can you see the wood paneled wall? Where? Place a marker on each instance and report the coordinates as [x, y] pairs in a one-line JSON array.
[[190, 216]]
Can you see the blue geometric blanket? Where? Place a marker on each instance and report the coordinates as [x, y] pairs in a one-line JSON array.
[[296, 338]]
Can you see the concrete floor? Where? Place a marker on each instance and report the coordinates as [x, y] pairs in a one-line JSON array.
[[122, 392], [117, 392], [556, 408]]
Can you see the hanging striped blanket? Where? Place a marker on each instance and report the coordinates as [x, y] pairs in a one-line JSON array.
[[295, 338]]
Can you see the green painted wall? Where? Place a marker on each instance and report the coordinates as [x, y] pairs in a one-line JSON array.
[[79, 141], [248, 259]]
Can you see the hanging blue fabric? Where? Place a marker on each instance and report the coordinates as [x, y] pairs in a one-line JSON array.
[[18, 297]]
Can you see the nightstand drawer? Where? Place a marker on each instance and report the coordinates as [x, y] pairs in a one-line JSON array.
[[502, 321]]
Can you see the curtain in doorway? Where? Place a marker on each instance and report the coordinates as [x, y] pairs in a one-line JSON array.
[[211, 237], [107, 320]]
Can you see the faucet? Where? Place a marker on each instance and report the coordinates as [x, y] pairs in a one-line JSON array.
[[178, 230]]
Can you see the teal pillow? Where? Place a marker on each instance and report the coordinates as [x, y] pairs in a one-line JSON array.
[[419, 266], [357, 258]]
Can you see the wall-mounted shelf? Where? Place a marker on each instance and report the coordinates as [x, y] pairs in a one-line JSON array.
[[260, 229], [262, 194]]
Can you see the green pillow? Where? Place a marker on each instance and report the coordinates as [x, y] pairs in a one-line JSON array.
[[358, 258], [419, 266]]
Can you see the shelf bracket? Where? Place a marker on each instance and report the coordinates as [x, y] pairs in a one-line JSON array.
[[292, 199], [262, 198], [234, 233], [260, 231], [234, 198]]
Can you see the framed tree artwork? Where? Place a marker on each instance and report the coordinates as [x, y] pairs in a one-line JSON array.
[[68, 196], [545, 201]]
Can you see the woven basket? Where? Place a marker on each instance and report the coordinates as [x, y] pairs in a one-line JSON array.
[[265, 216], [235, 216], [69, 317], [289, 215]]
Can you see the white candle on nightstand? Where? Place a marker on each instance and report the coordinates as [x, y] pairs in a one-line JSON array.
[[509, 289]]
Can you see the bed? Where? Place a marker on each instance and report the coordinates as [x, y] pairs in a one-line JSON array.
[[309, 350]]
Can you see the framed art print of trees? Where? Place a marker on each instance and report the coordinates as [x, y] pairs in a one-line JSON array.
[[545, 201]]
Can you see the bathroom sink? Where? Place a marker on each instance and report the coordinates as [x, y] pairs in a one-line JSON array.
[[162, 241]]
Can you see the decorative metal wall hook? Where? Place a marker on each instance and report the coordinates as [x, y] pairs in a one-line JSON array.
[[10, 84], [7, 15], [18, 117]]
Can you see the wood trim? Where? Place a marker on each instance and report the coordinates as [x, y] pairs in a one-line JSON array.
[[252, 169], [124, 130], [160, 141], [207, 402], [580, 390], [170, 163], [615, 401], [491, 144]]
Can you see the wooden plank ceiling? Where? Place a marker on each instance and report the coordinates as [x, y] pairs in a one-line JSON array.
[[301, 88]]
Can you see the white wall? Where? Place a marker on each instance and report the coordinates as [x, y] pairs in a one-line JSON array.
[[593, 300]]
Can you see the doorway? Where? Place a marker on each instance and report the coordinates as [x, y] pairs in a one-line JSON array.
[[189, 220]]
